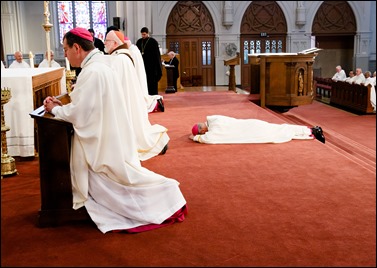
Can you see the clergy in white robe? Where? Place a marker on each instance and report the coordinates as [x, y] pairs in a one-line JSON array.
[[19, 61], [151, 139], [359, 77], [107, 176], [44, 63], [340, 74], [150, 100], [220, 129], [369, 80]]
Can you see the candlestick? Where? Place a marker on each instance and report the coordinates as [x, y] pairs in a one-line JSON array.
[[67, 66], [31, 58]]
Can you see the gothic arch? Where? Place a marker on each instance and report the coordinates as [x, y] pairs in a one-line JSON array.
[[263, 30], [190, 32], [190, 18], [334, 18], [334, 27]]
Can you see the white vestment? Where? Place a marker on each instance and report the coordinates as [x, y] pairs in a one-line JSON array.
[[224, 130], [107, 176], [44, 64], [150, 100], [16, 64], [151, 139], [357, 79], [339, 76], [372, 82]]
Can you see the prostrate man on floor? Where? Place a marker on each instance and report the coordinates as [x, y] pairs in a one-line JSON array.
[[220, 129]]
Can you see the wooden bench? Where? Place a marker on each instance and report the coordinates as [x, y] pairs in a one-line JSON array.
[[323, 89], [351, 96]]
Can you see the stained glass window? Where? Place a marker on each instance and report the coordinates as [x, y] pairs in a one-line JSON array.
[[85, 14]]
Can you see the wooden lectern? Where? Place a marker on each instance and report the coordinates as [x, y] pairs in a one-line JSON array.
[[170, 79], [54, 140], [162, 84], [232, 75], [283, 79]]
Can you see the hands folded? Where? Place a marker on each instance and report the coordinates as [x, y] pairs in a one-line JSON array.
[[50, 102]]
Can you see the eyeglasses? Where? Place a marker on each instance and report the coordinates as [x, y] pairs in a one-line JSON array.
[[109, 40]]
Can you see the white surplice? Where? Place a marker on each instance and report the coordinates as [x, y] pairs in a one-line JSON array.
[[150, 100], [151, 139], [223, 130], [107, 176], [44, 64]]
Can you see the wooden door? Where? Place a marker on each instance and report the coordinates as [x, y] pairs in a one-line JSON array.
[[190, 32], [190, 60]]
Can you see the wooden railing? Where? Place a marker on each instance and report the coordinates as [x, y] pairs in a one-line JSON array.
[[323, 89]]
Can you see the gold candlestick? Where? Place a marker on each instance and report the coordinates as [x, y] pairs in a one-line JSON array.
[[8, 165], [47, 27], [70, 77]]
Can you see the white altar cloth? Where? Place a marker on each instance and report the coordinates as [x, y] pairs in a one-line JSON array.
[[20, 137]]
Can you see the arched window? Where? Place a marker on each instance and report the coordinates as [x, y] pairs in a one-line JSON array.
[[85, 14]]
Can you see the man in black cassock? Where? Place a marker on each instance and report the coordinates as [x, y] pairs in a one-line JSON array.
[[150, 51]]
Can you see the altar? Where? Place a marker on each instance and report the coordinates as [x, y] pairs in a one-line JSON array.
[[28, 86]]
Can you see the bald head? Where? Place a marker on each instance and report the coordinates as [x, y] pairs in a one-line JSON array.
[[18, 56]]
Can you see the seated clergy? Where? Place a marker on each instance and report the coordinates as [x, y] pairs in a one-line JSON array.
[[44, 63], [19, 61]]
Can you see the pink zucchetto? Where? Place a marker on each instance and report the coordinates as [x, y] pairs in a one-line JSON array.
[[120, 36], [82, 32], [195, 130]]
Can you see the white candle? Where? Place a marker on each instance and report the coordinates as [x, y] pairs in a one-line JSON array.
[[67, 66], [31, 58]]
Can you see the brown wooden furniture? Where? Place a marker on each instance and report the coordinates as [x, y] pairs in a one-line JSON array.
[[54, 140], [232, 75], [282, 79], [323, 89], [163, 83], [351, 96], [170, 79], [47, 84]]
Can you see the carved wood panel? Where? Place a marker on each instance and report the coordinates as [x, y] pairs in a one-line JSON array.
[[263, 30], [189, 24], [334, 18]]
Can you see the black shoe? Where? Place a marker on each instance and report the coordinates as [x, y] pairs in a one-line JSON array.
[[161, 105], [318, 133], [164, 150]]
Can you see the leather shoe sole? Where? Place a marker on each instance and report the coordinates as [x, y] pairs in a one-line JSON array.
[[161, 105], [318, 134], [164, 150]]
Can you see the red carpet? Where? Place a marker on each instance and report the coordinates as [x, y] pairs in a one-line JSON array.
[[301, 203]]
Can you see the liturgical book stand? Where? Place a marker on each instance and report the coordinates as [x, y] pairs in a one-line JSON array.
[[54, 141]]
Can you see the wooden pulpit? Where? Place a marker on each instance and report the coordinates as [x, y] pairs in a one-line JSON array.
[[54, 141], [232, 75], [283, 79]]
